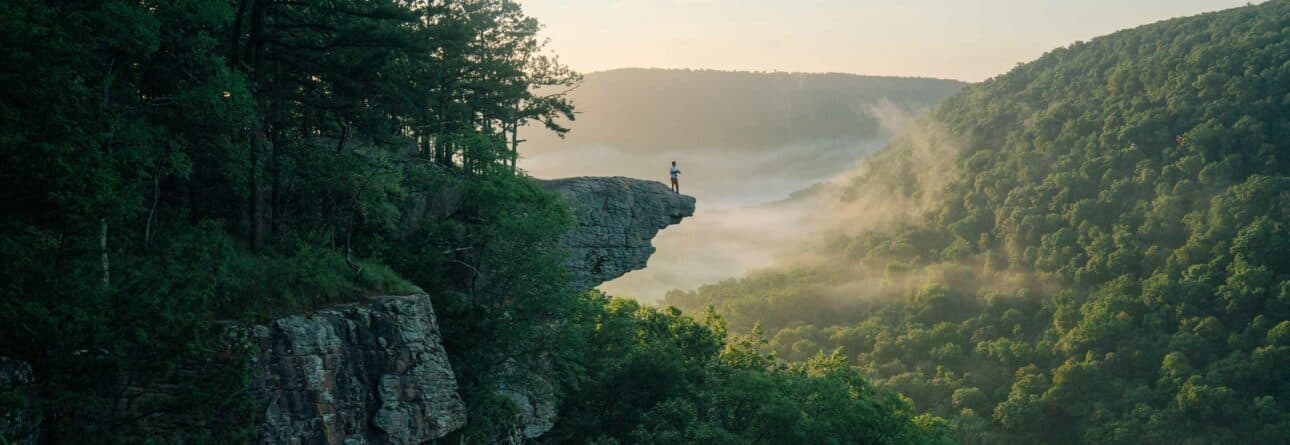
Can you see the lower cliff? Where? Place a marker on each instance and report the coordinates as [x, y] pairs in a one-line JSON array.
[[362, 373], [370, 373], [615, 220]]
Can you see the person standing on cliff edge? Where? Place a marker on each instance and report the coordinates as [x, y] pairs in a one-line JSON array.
[[676, 186]]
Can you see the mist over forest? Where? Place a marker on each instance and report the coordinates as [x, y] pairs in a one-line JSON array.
[[743, 140], [746, 137], [1088, 249]]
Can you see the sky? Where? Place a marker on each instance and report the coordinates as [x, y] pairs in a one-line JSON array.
[[969, 40]]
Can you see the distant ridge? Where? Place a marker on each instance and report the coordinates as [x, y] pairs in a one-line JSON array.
[[771, 72], [653, 109]]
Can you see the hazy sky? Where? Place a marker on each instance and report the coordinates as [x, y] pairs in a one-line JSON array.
[[961, 39]]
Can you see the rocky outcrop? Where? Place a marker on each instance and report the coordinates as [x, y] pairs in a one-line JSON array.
[[616, 218], [535, 402], [372, 373]]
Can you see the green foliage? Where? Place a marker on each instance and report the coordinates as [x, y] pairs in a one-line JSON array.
[[499, 289], [169, 166], [1120, 207], [649, 375]]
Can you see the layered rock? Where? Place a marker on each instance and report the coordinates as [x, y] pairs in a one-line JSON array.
[[535, 402], [616, 219], [372, 373]]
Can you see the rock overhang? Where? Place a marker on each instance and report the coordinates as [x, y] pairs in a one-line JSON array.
[[615, 220]]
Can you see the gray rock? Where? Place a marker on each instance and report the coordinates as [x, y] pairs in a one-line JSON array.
[[616, 218], [371, 373], [537, 410], [534, 397]]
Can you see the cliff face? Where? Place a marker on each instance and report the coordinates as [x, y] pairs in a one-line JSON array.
[[616, 218], [370, 373], [354, 374]]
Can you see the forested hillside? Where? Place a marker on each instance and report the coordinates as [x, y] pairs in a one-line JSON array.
[[171, 169], [1091, 248]]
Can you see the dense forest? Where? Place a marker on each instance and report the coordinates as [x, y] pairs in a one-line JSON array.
[[171, 167], [1090, 249]]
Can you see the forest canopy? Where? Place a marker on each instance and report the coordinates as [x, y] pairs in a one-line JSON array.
[[1099, 256]]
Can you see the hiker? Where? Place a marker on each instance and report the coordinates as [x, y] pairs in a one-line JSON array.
[[676, 186]]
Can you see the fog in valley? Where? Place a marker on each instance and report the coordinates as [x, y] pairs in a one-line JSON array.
[[759, 160]]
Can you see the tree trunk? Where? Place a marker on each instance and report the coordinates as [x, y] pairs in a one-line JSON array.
[[255, 45], [152, 211], [275, 170], [515, 142], [103, 250], [344, 135], [257, 186], [235, 38]]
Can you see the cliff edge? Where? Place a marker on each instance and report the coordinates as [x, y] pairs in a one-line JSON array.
[[615, 220]]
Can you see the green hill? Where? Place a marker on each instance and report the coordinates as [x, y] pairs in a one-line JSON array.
[[1091, 248]]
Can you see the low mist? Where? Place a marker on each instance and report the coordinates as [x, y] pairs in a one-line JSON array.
[[758, 204], [745, 217], [721, 179]]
